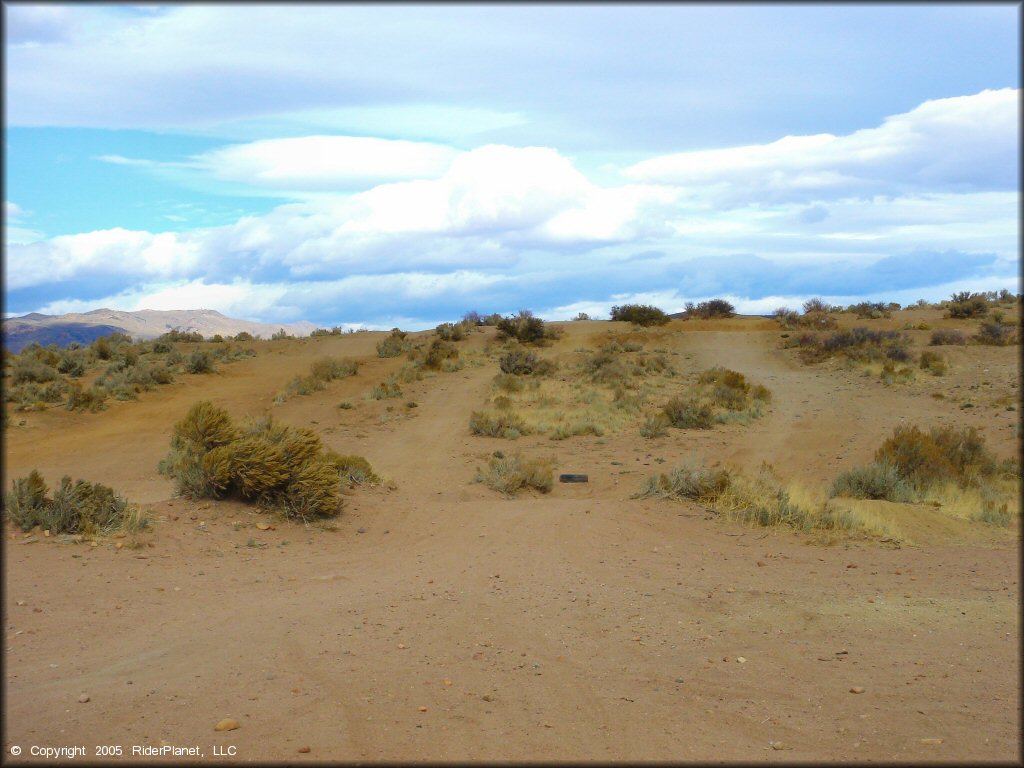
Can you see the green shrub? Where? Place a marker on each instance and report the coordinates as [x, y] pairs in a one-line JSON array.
[[933, 362], [178, 335], [688, 413], [877, 480], [386, 389], [79, 399], [78, 507], [966, 305], [438, 352], [870, 310], [354, 470], [454, 331], [504, 424], [521, 362], [278, 466], [394, 345], [710, 309], [525, 328], [512, 474], [28, 370], [641, 314], [199, 361]]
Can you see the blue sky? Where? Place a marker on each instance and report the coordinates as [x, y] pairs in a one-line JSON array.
[[374, 166]]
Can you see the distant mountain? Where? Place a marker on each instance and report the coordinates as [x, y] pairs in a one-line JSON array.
[[84, 327]]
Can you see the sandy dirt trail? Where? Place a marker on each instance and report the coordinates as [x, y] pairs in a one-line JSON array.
[[440, 621]]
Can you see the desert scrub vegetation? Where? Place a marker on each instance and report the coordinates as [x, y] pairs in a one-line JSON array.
[[915, 466], [394, 344], [872, 310], [498, 423], [75, 507], [278, 466], [719, 396], [996, 331], [707, 310], [965, 304], [947, 337], [523, 362], [858, 344], [640, 314], [511, 474], [596, 392], [386, 389], [456, 331], [321, 373], [526, 328], [814, 319], [933, 362], [760, 500]]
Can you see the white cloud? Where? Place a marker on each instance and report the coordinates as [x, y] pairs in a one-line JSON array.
[[115, 251], [965, 143], [325, 162]]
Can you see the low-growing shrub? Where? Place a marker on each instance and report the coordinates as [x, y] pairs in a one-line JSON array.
[[760, 500], [933, 362], [386, 389], [688, 413], [709, 309], [995, 333], [859, 344], [439, 352], [354, 470], [28, 370], [79, 507], [276, 465], [912, 461], [868, 310], [79, 399], [522, 362], [655, 426], [525, 328], [394, 344], [877, 480], [966, 305], [502, 423], [199, 361], [944, 336], [511, 474], [641, 314], [455, 331]]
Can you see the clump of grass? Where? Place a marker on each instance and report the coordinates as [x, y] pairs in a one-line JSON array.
[[584, 425], [933, 362], [655, 426], [761, 500], [276, 465], [79, 507], [503, 423], [878, 480], [439, 353], [641, 314], [321, 373], [511, 474], [394, 345]]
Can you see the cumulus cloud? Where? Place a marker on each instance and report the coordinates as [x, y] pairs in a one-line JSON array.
[[965, 143]]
